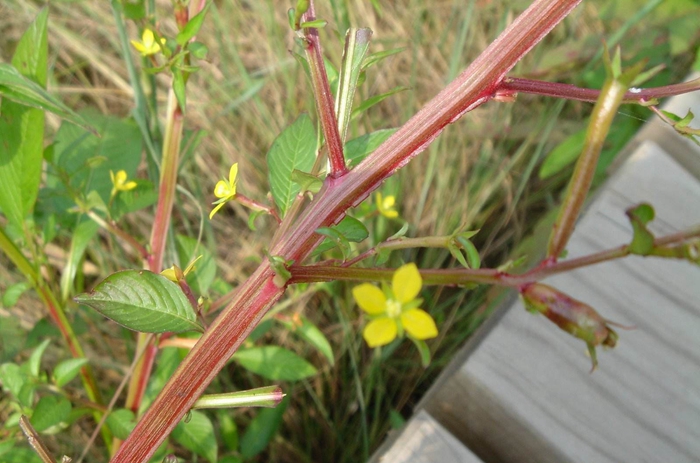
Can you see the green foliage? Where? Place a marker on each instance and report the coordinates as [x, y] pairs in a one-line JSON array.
[[67, 370], [359, 148], [192, 27], [262, 429], [201, 278], [22, 127], [642, 240], [196, 433], [349, 230], [305, 329], [275, 363], [51, 414], [142, 301], [121, 422], [294, 149]]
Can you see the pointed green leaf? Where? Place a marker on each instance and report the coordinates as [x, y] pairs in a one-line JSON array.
[[33, 364], [374, 58], [376, 99], [13, 293], [642, 240], [67, 370], [358, 148], [196, 433], [142, 301], [121, 422], [348, 230], [356, 45], [82, 235], [50, 411], [307, 182], [12, 378], [294, 148], [22, 128], [192, 27], [262, 429], [275, 363], [311, 334], [563, 154]]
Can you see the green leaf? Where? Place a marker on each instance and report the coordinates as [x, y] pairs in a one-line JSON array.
[[67, 370], [642, 240], [348, 230], [12, 378], [424, 352], [82, 161], [121, 422], [196, 433], [201, 278], [21, 90], [142, 301], [376, 99], [311, 334], [563, 154], [12, 337], [307, 182], [262, 429], [228, 430], [275, 363], [374, 58], [13, 293], [21, 455], [356, 45], [179, 88], [316, 23], [33, 363], [359, 148], [50, 411], [22, 127], [82, 235], [198, 50], [192, 27], [294, 149]]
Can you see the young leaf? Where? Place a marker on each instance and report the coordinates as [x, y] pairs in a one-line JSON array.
[[356, 45], [196, 434], [142, 301], [642, 240], [262, 429], [67, 370], [12, 378], [359, 148], [348, 230], [33, 364], [50, 411], [20, 89], [22, 129], [275, 363], [311, 334], [82, 235], [121, 422], [307, 182], [563, 154], [374, 58], [13, 292], [376, 99], [294, 148], [192, 27]]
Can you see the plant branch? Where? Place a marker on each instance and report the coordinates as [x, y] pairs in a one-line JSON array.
[[258, 293], [323, 96], [514, 85]]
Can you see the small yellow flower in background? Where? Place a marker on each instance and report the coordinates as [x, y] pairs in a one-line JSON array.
[[148, 45], [119, 182], [224, 190], [385, 206], [396, 311]]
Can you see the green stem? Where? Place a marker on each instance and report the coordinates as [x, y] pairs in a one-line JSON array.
[[58, 316]]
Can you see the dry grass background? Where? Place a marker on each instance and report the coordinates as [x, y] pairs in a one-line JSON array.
[[478, 173]]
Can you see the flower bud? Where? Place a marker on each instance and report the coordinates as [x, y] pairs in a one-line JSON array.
[[574, 317]]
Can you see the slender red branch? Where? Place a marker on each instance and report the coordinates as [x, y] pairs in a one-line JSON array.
[[325, 105], [514, 85]]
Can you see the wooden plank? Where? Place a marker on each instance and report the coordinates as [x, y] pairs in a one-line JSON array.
[[526, 394], [424, 440]]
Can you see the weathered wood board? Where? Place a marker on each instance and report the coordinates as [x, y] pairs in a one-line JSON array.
[[526, 395], [424, 440]]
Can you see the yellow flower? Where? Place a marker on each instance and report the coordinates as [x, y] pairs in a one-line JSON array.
[[119, 182], [148, 45], [397, 310], [224, 190], [175, 273], [385, 206]]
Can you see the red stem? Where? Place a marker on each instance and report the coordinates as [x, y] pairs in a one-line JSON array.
[[514, 85], [254, 297], [324, 98]]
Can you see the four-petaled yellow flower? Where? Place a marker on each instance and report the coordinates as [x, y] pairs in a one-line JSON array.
[[385, 206], [119, 182], [397, 310], [224, 190], [148, 45]]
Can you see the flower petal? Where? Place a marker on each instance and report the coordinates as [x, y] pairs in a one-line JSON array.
[[148, 38], [370, 298], [232, 174], [419, 324], [130, 185], [380, 332], [406, 283], [221, 190], [389, 202], [216, 209], [139, 46]]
